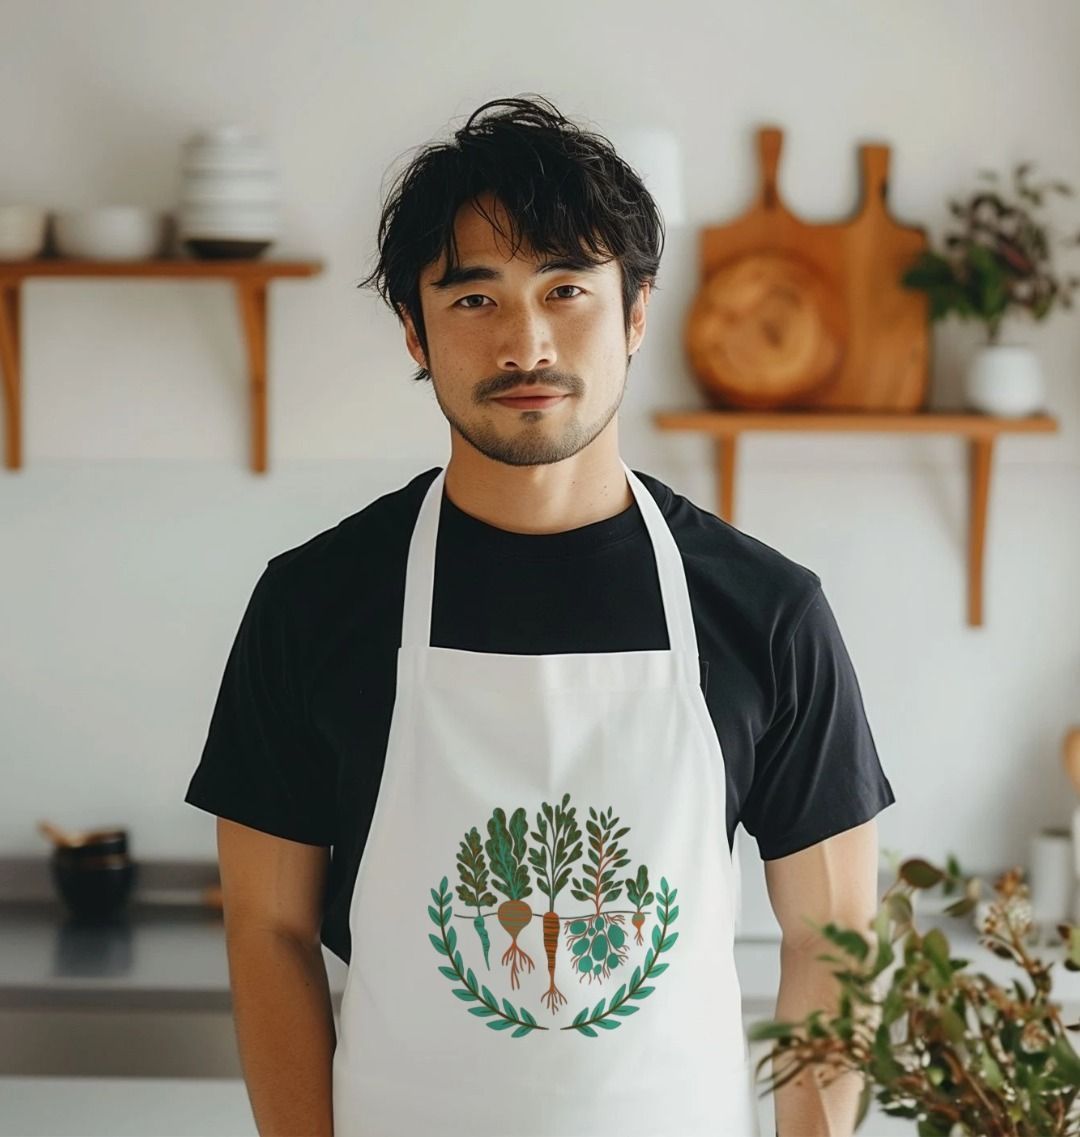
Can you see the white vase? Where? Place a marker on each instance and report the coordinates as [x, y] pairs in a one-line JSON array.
[[1052, 875], [1004, 379]]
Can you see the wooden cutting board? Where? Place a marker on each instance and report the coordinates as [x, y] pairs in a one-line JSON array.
[[804, 316]]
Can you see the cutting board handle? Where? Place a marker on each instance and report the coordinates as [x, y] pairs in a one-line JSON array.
[[770, 140], [874, 160]]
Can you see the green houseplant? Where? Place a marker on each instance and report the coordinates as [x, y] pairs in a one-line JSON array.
[[998, 261], [951, 1049]]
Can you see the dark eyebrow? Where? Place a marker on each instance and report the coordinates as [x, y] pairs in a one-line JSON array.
[[466, 274]]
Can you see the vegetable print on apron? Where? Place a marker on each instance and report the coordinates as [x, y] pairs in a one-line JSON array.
[[543, 917]]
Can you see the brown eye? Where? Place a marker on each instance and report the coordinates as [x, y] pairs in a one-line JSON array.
[[479, 296]]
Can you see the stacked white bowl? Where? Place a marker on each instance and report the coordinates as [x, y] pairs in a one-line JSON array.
[[22, 231], [112, 233], [106, 232], [229, 194]]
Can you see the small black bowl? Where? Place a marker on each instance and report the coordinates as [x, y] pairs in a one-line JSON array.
[[93, 888], [222, 248]]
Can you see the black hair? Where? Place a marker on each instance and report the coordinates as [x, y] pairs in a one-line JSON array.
[[564, 189]]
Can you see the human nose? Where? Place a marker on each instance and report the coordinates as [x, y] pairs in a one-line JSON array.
[[526, 344]]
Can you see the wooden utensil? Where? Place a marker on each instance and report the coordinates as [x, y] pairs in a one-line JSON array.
[[62, 838], [1070, 753]]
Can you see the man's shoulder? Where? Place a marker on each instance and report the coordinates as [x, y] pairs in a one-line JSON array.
[[731, 565], [360, 543]]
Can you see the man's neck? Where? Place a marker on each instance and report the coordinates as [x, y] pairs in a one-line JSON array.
[[588, 487]]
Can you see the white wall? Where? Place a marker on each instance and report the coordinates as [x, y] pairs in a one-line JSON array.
[[134, 534]]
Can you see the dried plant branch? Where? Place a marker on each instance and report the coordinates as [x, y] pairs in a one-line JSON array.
[[946, 1047]]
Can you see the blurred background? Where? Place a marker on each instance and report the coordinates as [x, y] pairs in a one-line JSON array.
[[135, 527]]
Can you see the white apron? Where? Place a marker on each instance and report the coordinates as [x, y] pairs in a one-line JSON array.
[[543, 917]]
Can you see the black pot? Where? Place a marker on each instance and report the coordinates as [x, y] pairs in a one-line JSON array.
[[92, 886]]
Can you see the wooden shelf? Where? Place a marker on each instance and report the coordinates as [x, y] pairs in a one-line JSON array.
[[980, 430], [250, 278]]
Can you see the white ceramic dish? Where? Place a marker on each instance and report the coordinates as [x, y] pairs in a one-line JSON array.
[[230, 211], [230, 233], [226, 221], [215, 188], [226, 148], [22, 231], [221, 162], [112, 233]]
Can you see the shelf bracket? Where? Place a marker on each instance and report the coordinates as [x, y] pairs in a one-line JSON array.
[[251, 296], [980, 431], [980, 453], [726, 450], [251, 278], [980, 464], [10, 368]]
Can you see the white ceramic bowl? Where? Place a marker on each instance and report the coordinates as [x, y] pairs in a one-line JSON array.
[[227, 161], [230, 233], [229, 147], [225, 211], [207, 221], [22, 231], [214, 187], [112, 233]]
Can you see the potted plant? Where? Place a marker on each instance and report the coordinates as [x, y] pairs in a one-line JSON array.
[[952, 1050], [997, 263]]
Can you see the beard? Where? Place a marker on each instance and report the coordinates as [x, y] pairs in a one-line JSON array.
[[530, 441]]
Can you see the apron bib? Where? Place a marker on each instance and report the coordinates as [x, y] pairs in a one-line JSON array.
[[543, 916]]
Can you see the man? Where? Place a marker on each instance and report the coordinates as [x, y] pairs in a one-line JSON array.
[[525, 700]]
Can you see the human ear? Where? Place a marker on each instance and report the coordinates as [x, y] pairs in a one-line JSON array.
[[412, 340], [637, 319]]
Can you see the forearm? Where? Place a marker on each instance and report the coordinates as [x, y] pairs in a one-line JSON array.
[[803, 1107], [285, 1032]]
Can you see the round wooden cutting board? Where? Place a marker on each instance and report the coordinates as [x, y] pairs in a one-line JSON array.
[[766, 328]]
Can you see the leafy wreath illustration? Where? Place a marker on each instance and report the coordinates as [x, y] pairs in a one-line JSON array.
[[597, 940]]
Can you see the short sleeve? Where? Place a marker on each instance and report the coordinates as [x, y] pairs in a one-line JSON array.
[[816, 767], [259, 765]]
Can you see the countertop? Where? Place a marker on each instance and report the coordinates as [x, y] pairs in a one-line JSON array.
[[167, 954], [125, 1107], [172, 957]]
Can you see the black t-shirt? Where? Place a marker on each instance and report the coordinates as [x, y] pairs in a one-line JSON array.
[[298, 733]]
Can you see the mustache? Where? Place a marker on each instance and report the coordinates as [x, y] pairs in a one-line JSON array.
[[559, 380]]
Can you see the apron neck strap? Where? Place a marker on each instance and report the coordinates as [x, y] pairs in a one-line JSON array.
[[420, 569]]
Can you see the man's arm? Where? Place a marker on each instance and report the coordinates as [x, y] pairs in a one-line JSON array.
[[835, 880], [272, 893]]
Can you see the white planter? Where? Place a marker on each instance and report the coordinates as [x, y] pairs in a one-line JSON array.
[[1005, 379], [1053, 880]]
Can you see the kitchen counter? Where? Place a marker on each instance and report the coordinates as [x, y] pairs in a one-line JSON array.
[[172, 957], [149, 995], [125, 1107]]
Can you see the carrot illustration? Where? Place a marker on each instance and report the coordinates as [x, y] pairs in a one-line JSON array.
[[506, 849], [558, 840], [599, 942], [473, 889], [637, 890]]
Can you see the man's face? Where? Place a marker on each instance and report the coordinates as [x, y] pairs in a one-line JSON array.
[[502, 328]]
